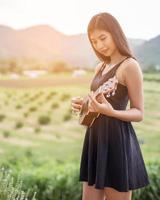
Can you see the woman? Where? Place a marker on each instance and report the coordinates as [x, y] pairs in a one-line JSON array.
[[111, 163]]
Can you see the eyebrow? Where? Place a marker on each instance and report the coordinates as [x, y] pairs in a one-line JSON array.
[[99, 36]]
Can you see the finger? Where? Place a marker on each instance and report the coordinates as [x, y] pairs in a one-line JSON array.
[[92, 104], [75, 109], [74, 98], [80, 102], [93, 99], [77, 106], [77, 100], [91, 108], [103, 99]]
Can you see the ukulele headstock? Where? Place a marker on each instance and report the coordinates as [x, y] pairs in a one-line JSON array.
[[109, 86]]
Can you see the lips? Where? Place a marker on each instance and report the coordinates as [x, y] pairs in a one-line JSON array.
[[105, 51]]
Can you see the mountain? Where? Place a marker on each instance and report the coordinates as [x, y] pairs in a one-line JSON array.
[[46, 43], [149, 52]]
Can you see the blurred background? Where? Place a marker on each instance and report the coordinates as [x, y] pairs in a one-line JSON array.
[[45, 60]]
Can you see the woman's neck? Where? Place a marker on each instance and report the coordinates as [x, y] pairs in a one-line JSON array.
[[116, 57]]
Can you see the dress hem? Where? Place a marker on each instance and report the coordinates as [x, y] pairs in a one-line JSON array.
[[112, 186]]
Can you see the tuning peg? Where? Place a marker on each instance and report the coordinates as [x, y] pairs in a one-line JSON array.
[[108, 95], [113, 93]]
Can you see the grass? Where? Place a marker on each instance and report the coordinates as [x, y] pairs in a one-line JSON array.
[[62, 137]]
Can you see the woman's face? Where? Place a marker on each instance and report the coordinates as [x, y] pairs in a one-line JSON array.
[[103, 42]]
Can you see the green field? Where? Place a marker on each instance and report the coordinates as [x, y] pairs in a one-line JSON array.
[[37, 128], [61, 137]]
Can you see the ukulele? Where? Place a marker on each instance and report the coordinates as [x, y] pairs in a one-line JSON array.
[[86, 117]]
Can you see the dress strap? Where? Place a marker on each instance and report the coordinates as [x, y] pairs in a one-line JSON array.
[[118, 64], [103, 66], [113, 69]]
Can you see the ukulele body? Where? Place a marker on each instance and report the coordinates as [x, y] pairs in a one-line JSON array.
[[86, 117]]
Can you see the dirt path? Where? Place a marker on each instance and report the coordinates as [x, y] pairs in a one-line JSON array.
[[48, 82]]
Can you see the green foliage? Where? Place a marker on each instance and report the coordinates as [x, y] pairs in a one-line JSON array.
[[6, 134], [26, 114], [64, 140], [11, 190], [33, 109], [152, 77], [152, 191], [18, 125], [53, 181], [50, 95], [65, 97], [37, 130], [68, 115], [53, 93], [2, 116], [44, 119], [54, 105], [18, 106], [152, 68]]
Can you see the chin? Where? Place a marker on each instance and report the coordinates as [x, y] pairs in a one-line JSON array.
[[107, 54]]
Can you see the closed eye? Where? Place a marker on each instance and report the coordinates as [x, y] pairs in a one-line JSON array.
[[103, 38]]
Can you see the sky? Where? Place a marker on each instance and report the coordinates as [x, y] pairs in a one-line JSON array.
[[138, 18]]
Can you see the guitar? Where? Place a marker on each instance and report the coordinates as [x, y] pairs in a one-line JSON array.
[[86, 117]]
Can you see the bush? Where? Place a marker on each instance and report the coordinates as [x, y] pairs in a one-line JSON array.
[[53, 93], [6, 134], [18, 125], [68, 115], [56, 182], [37, 130], [54, 105], [152, 191], [62, 183], [2, 117], [65, 97], [33, 109], [18, 106], [25, 114], [59, 181], [50, 95], [44, 119], [10, 190]]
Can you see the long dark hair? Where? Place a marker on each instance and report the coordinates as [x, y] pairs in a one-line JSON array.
[[105, 21]]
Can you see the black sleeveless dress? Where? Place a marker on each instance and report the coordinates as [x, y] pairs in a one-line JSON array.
[[111, 155]]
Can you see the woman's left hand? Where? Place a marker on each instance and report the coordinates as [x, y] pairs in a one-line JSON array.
[[100, 105]]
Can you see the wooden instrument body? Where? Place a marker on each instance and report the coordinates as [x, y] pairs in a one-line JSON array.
[[85, 116]]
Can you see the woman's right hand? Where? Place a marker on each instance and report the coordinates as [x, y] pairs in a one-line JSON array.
[[76, 103]]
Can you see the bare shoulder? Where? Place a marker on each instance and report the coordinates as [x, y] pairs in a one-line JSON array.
[[131, 65], [132, 72]]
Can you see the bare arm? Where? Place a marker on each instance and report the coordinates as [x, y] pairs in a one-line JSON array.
[[134, 81]]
